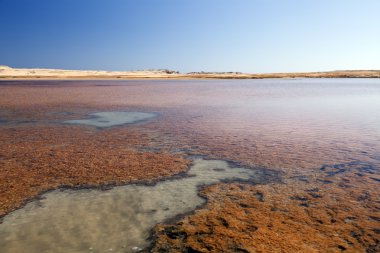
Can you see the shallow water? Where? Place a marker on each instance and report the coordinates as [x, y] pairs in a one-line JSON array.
[[114, 118], [109, 221], [293, 125]]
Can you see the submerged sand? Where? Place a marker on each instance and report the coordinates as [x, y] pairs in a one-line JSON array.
[[110, 119], [117, 220]]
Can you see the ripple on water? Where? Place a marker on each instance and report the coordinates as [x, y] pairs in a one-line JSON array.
[[118, 219]]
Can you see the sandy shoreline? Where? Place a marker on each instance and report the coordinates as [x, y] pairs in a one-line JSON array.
[[7, 73]]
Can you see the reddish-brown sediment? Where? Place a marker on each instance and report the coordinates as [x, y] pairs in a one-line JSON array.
[[37, 159], [289, 217], [327, 202], [316, 208]]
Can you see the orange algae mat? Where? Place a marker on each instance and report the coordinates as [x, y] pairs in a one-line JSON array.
[[38, 159], [326, 150]]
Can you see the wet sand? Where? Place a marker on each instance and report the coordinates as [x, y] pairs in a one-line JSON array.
[[321, 136]]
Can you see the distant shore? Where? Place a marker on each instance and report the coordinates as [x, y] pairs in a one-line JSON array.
[[8, 73]]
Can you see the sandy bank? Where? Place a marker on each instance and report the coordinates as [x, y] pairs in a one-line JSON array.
[[14, 73]]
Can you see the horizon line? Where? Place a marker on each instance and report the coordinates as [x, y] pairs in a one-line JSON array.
[[184, 72]]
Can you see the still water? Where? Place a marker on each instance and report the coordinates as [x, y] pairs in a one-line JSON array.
[[291, 125], [117, 220]]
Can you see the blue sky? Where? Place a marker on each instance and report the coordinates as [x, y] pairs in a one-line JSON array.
[[191, 35]]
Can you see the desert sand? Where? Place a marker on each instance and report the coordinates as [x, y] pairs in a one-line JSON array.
[[37, 73]]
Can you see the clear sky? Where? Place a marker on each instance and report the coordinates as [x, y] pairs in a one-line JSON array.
[[191, 35]]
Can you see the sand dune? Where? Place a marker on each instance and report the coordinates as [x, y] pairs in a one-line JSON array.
[[8, 72], [15, 73]]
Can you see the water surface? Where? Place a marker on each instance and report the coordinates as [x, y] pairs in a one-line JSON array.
[[114, 118], [115, 220], [294, 125]]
